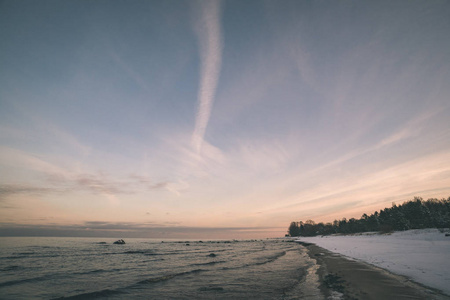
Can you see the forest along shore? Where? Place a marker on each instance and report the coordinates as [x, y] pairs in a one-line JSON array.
[[374, 266]]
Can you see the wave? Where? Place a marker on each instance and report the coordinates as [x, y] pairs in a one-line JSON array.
[[150, 260], [151, 252], [10, 268], [97, 271], [121, 291], [169, 276], [25, 253], [13, 257], [92, 295], [146, 252], [209, 263], [261, 261], [211, 289], [271, 258], [27, 280], [22, 256]]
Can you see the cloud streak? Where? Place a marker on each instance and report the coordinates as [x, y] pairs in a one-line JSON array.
[[92, 183], [13, 189], [208, 30], [372, 190]]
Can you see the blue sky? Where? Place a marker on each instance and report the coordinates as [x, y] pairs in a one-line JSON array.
[[201, 115]]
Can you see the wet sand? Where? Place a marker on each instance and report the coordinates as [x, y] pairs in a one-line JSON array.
[[343, 278]]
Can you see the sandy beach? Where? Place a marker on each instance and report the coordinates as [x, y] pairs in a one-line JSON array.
[[343, 278]]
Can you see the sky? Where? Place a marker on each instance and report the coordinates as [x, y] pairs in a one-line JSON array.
[[218, 119]]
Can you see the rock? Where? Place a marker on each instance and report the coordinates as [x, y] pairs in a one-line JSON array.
[[447, 234], [119, 242], [212, 255]]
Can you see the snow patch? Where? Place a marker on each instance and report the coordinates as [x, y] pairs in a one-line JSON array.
[[422, 255]]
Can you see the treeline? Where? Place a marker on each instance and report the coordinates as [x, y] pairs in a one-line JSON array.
[[413, 214]]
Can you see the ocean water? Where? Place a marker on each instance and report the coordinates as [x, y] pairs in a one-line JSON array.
[[94, 268]]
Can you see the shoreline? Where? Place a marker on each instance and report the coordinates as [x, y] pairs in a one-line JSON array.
[[343, 278]]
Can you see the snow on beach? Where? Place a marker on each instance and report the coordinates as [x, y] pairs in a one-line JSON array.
[[422, 255]]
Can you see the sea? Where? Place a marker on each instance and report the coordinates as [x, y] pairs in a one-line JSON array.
[[95, 268]]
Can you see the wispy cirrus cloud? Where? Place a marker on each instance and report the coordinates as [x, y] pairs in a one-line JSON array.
[[13, 157], [209, 34], [129, 70], [13, 189], [91, 183], [101, 183], [402, 181]]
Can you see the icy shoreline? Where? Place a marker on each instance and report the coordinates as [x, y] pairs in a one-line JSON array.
[[422, 255]]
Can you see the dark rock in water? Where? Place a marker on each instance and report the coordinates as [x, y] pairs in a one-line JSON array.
[[188, 244], [101, 243], [447, 234], [212, 255], [119, 242]]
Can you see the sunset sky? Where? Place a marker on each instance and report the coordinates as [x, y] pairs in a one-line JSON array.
[[218, 119]]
